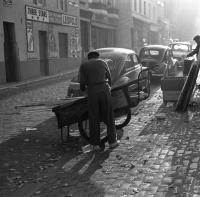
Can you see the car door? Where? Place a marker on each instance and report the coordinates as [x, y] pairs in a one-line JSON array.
[[131, 67], [167, 60], [171, 60]]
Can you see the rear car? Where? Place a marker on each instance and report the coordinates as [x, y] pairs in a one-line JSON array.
[[123, 64], [159, 59], [180, 51]]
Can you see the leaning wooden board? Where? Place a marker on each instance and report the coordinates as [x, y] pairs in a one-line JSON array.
[[188, 87]]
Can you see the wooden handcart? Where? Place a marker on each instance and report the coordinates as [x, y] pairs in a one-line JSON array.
[[75, 110]]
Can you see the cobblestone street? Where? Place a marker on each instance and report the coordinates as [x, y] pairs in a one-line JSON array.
[[158, 153]]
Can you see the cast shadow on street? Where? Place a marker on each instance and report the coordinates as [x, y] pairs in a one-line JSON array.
[[80, 178], [29, 154]]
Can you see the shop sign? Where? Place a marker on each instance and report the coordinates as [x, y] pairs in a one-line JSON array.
[[69, 20], [55, 17], [7, 3], [37, 14]]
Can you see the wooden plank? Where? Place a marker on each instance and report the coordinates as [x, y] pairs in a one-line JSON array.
[[188, 87]]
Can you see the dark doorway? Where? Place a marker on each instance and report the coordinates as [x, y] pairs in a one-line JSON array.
[[44, 64], [63, 45], [11, 53]]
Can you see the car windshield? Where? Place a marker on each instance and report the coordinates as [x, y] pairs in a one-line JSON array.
[[180, 47], [155, 54]]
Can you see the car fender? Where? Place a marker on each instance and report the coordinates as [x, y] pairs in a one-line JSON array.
[[122, 80]]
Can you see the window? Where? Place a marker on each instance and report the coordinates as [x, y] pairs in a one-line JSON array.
[[135, 5], [140, 6], [135, 59], [149, 10], [154, 12], [128, 65], [39, 2], [180, 47], [63, 45], [62, 5], [145, 8]]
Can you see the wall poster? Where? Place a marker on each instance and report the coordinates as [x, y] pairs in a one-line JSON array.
[[30, 38], [53, 52]]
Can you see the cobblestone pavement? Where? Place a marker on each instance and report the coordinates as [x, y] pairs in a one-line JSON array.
[[158, 154]]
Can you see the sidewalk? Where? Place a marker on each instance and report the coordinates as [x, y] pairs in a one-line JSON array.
[[35, 80]]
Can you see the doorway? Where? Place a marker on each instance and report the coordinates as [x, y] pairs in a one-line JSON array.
[[43, 51], [11, 53]]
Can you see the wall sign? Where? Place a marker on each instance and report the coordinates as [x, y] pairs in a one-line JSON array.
[[37, 14], [69, 20]]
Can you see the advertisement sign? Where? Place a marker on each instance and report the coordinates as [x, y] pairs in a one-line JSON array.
[[37, 14], [29, 34], [69, 20]]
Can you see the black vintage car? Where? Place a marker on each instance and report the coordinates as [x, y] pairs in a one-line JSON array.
[[159, 59], [124, 66]]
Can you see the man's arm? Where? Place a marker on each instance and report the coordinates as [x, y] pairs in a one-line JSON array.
[[82, 78], [195, 51]]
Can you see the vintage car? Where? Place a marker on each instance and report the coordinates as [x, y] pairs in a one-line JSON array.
[[123, 64], [159, 59], [180, 51]]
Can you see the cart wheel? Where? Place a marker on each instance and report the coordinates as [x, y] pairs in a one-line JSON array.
[[83, 126], [122, 120]]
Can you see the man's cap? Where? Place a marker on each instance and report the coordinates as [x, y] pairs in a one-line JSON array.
[[196, 37], [93, 54]]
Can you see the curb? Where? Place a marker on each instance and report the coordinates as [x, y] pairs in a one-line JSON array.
[[22, 83]]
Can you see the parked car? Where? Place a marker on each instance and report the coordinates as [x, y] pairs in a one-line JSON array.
[[159, 59], [123, 64], [180, 51]]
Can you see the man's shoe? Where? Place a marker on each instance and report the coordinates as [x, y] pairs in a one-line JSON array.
[[96, 148], [113, 145]]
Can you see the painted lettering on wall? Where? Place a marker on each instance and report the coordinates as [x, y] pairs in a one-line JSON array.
[[69, 20]]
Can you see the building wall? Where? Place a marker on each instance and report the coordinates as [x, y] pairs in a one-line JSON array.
[[123, 38], [29, 60]]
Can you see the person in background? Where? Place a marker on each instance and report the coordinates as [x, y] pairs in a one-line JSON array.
[[94, 75], [196, 50]]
